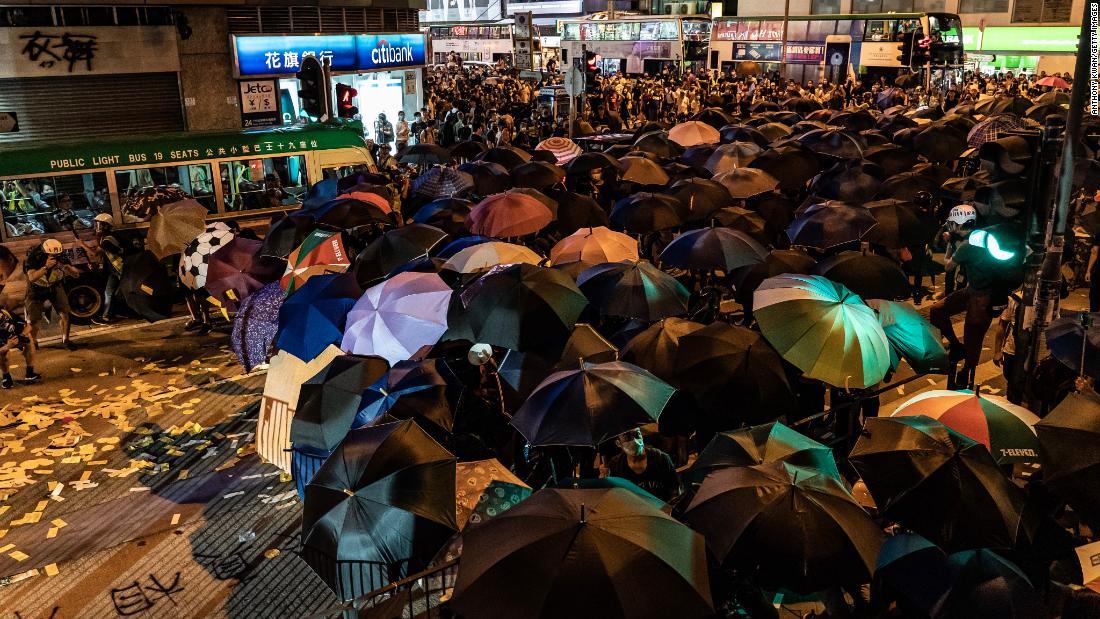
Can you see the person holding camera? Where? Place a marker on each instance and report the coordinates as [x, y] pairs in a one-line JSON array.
[[15, 334], [46, 268]]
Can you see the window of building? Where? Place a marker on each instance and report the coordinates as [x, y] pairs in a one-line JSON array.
[[272, 182], [53, 203], [195, 179], [983, 6], [825, 7], [929, 6]]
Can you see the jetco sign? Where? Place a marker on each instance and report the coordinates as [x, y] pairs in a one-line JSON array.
[[282, 55]]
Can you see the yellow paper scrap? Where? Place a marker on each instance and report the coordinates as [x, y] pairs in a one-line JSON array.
[[18, 555], [6, 547], [271, 553], [51, 569], [41, 506], [175, 518], [76, 370], [183, 474], [52, 533], [59, 523]]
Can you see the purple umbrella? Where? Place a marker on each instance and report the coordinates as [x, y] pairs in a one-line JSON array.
[[255, 325], [237, 270], [398, 316]]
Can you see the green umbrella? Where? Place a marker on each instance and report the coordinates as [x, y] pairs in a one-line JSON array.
[[911, 337], [822, 328]]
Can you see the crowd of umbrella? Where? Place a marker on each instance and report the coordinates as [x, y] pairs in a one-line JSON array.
[[379, 332]]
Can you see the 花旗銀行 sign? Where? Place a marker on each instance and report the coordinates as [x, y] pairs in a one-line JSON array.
[[281, 55]]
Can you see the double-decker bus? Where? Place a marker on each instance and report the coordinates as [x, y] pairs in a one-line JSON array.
[[638, 44], [478, 43], [829, 46]]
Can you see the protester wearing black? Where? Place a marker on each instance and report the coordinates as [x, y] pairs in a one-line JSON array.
[[46, 267], [647, 467]]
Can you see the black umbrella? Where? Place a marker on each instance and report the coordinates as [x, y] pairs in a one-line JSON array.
[[910, 572], [873, 137], [537, 175], [743, 220], [1003, 105], [524, 307], [733, 155], [906, 185], [575, 211], [586, 162], [507, 156], [329, 400], [791, 165], [146, 286], [791, 527], [898, 225], [592, 404], [447, 214], [714, 117], [829, 224], [633, 290], [394, 248], [697, 156], [774, 131], [734, 375], [489, 177], [939, 483], [348, 213], [586, 344], [644, 212], [642, 170], [287, 234], [424, 154], [849, 181], [648, 127], [833, 143], [869, 275], [425, 391], [892, 158], [861, 120], [657, 143], [806, 126], [769, 442], [700, 197], [1069, 438], [743, 133], [744, 183], [655, 348], [985, 584], [469, 149], [584, 554], [785, 117], [379, 508], [802, 105], [713, 249], [777, 262], [940, 143]]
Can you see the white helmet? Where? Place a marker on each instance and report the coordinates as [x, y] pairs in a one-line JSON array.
[[962, 214], [52, 247], [104, 218]]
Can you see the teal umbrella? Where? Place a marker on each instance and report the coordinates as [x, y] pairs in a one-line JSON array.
[[911, 337], [822, 328]]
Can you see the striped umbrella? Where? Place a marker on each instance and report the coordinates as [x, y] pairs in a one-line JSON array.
[[992, 129], [823, 328], [594, 245], [442, 183], [564, 149], [1005, 429], [488, 255]]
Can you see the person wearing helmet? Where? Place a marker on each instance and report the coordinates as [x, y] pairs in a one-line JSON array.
[[46, 268], [15, 334], [961, 221], [108, 253]]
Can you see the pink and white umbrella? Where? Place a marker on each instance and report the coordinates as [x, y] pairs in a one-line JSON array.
[[564, 149], [398, 316]]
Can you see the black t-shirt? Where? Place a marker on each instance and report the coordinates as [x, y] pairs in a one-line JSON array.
[[659, 477], [976, 263]]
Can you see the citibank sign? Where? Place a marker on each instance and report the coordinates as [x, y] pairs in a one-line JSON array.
[[282, 55]]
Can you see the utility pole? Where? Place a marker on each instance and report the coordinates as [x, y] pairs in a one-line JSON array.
[[1049, 275]]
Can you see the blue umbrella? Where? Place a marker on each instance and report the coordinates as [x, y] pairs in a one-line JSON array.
[[255, 325], [425, 390], [314, 317], [829, 224], [320, 193]]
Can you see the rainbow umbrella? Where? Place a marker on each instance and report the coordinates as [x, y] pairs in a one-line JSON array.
[[397, 317], [594, 245], [823, 329], [322, 252], [1005, 429]]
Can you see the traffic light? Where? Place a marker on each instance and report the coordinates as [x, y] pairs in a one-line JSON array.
[[922, 53], [345, 101], [591, 70], [311, 88], [906, 55]]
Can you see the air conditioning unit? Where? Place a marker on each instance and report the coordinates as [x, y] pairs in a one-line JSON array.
[[679, 8]]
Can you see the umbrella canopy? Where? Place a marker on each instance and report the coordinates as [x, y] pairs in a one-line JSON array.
[[507, 156], [1069, 441], [586, 162], [583, 553], [594, 245], [145, 203], [442, 183], [328, 401], [484, 256], [576, 212], [447, 214], [793, 166], [693, 133], [1004, 428], [314, 317], [485, 488], [397, 317], [722, 364], [700, 197], [985, 584], [769, 442], [848, 181], [793, 527], [592, 404], [743, 220], [563, 149], [939, 483], [713, 249], [893, 159], [777, 262], [869, 275], [658, 144], [393, 249], [424, 154], [537, 175], [489, 177], [523, 307], [508, 215], [174, 226], [146, 286], [635, 289], [830, 223], [255, 325], [346, 212], [195, 259], [744, 183], [425, 391], [731, 156], [713, 116], [287, 234], [655, 348], [643, 212], [321, 252], [468, 149], [642, 170], [909, 570], [991, 129], [833, 143], [823, 329], [1070, 343], [940, 143], [743, 133], [897, 225], [911, 337], [237, 270], [386, 495]]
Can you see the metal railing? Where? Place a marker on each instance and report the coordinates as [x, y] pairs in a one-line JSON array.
[[418, 596]]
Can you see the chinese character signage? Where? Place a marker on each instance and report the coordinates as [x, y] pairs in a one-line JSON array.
[[760, 52], [259, 103], [804, 52], [61, 51], [282, 55]]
